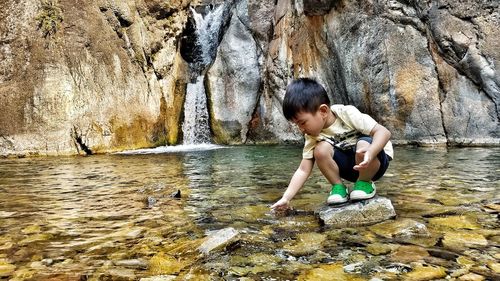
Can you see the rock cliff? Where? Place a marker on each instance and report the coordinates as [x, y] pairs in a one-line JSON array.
[[99, 76]]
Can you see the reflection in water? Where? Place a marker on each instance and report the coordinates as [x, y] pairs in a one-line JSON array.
[[108, 216]]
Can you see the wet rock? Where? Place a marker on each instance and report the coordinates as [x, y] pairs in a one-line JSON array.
[[407, 254], [378, 248], [401, 228], [23, 274], [471, 277], [307, 243], [134, 263], [454, 222], [6, 269], [259, 263], [356, 214], [443, 254], [165, 264], [440, 262], [102, 248], [490, 208], [484, 271], [35, 238], [462, 240], [159, 278], [405, 230], [47, 262], [495, 266], [150, 201], [425, 272], [119, 274], [32, 229], [328, 272], [4, 214], [218, 239], [6, 245]]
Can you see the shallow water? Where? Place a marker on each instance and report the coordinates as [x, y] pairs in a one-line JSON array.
[[115, 217]]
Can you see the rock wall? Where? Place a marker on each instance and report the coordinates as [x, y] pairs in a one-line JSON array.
[[107, 75], [428, 70]]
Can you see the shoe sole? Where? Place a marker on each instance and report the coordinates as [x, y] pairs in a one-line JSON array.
[[361, 195], [337, 201]]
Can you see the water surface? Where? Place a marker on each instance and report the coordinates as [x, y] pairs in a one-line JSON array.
[[116, 217]]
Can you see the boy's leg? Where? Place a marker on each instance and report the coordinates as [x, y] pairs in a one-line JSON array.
[[323, 155], [370, 171], [364, 187]]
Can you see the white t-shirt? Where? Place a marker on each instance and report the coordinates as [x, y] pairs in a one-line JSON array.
[[349, 125]]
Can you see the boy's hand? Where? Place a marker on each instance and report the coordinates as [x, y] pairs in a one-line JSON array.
[[366, 160], [282, 204]]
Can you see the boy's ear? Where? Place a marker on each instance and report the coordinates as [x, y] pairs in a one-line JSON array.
[[323, 108]]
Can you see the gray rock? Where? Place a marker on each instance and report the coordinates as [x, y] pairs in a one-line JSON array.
[[356, 214], [218, 239], [233, 82]]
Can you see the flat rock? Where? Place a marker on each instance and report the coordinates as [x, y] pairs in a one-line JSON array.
[[218, 239], [359, 213]]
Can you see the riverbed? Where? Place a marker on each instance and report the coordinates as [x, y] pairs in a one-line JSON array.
[[143, 215]]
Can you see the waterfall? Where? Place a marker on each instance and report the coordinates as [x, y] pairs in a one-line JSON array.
[[196, 127], [207, 31]]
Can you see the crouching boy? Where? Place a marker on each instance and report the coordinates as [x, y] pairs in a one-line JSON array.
[[344, 143]]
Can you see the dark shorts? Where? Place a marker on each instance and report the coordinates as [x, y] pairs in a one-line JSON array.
[[346, 160]]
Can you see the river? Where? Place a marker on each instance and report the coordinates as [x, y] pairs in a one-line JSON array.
[[133, 216]]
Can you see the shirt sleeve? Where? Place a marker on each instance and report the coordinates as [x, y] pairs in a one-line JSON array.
[[309, 145], [363, 123]]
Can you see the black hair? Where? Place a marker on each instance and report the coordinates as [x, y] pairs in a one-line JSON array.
[[303, 95]]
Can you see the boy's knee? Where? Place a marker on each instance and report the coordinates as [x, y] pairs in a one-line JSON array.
[[360, 155], [362, 144], [323, 150]]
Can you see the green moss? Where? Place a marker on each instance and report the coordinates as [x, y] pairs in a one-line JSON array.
[[49, 18]]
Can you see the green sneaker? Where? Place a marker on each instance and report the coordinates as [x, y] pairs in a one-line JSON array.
[[363, 190], [338, 194]]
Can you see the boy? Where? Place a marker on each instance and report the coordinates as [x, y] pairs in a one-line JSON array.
[[343, 142]]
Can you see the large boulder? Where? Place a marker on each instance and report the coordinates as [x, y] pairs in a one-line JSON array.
[[234, 81]]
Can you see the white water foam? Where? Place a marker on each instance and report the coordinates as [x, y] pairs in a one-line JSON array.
[[174, 148]]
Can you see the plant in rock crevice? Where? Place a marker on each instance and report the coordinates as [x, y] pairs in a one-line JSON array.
[[49, 18]]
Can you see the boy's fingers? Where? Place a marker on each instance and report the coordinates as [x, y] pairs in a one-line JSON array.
[[360, 165]]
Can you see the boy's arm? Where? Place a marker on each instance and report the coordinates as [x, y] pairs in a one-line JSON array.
[[298, 179], [380, 136]]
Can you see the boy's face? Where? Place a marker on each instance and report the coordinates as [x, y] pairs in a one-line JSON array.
[[310, 123]]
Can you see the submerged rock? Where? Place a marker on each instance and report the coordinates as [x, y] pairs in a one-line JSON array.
[[356, 214], [328, 272], [400, 228], [160, 278], [133, 263], [218, 239], [162, 263], [405, 230], [425, 272], [307, 243], [6, 269], [461, 240]]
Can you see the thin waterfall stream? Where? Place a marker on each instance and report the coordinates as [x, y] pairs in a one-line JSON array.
[[196, 128]]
